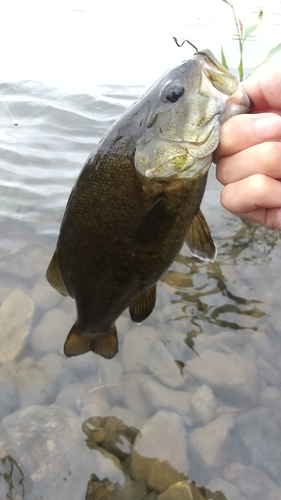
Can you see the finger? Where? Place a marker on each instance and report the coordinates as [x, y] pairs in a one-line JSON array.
[[268, 217], [262, 158], [243, 131], [264, 87], [254, 192]]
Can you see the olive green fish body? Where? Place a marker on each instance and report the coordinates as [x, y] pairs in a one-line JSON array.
[[137, 201], [129, 251]]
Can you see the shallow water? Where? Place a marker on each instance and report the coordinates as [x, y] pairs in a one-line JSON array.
[[200, 378]]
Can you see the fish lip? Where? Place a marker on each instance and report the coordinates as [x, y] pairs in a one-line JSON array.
[[214, 71]]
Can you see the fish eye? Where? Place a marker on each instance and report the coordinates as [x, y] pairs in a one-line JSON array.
[[173, 92]]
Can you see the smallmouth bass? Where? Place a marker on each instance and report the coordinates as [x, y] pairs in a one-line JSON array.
[[137, 200]]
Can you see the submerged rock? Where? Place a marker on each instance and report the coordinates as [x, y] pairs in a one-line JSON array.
[[111, 434], [204, 404], [232, 378], [105, 490], [48, 446], [8, 392], [259, 430], [178, 491], [44, 295], [162, 475], [252, 482], [161, 438], [33, 386], [16, 314], [211, 446], [161, 397], [49, 334]]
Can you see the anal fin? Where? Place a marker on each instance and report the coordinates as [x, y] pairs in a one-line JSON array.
[[143, 306], [104, 344], [199, 239], [54, 277]]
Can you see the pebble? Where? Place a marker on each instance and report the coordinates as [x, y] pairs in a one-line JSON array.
[[93, 404], [54, 367], [162, 364], [251, 482], [178, 491], [44, 295], [136, 348], [232, 378], [110, 372], [16, 313], [270, 396], [111, 434], [263, 345], [8, 392], [50, 334], [163, 437], [219, 484], [71, 396], [227, 340], [128, 417], [161, 397], [134, 397], [142, 350], [48, 446], [161, 475], [267, 372], [259, 430], [33, 387], [204, 404], [210, 447], [130, 490]]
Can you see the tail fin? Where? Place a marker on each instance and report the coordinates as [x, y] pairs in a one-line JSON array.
[[104, 344]]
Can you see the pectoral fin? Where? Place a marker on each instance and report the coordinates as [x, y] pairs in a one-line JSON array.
[[143, 306], [54, 277], [199, 239], [153, 222], [104, 344]]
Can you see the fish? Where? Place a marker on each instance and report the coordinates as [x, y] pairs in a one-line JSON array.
[[137, 201]]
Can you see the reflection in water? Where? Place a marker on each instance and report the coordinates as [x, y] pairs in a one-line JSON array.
[[209, 295]]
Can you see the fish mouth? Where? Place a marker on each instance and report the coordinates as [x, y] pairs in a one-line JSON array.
[[218, 82], [220, 78]]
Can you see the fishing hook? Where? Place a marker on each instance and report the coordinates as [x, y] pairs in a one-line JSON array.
[[180, 45]]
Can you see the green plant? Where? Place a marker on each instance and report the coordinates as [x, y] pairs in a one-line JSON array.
[[243, 32]]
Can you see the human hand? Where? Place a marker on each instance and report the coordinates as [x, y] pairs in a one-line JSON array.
[[248, 157]]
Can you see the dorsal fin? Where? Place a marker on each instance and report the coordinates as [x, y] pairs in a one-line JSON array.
[[199, 239], [54, 277], [143, 306]]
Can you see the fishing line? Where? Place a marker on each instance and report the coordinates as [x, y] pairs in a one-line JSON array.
[[14, 121], [180, 45], [44, 107]]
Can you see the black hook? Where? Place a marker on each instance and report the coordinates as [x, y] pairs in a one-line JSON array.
[[180, 45]]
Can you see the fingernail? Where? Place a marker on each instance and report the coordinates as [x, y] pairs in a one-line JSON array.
[[268, 128]]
